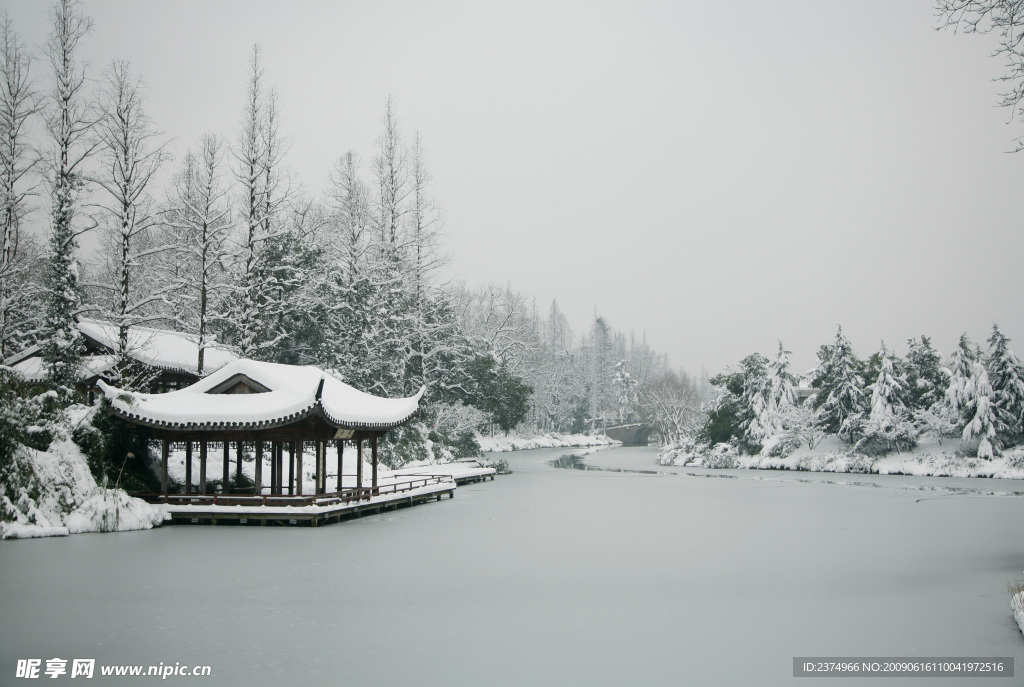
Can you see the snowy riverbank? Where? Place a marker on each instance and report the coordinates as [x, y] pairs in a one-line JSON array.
[[56, 495], [831, 455], [501, 444]]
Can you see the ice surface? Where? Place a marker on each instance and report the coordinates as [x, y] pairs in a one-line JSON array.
[[544, 577]]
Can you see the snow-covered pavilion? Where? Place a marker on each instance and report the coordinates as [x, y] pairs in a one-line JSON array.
[[173, 356], [274, 408]]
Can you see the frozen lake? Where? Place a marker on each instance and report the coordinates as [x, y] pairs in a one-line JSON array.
[[547, 577]]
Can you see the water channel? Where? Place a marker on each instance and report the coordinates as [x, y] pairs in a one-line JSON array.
[[627, 574]]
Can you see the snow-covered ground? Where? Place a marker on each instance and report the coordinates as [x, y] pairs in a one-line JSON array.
[[544, 577], [59, 496], [502, 443], [929, 458]]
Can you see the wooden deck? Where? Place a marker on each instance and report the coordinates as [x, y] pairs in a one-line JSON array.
[[309, 510]]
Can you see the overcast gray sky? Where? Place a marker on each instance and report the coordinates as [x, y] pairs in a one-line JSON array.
[[717, 175]]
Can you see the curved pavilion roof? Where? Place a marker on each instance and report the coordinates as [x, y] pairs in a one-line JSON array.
[[252, 395]]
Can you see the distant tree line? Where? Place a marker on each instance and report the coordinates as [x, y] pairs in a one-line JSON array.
[[882, 404]]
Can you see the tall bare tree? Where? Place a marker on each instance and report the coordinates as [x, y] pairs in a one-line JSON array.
[[131, 155], [19, 102], [199, 223]]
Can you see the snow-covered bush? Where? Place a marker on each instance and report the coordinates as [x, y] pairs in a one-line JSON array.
[[1017, 603], [721, 456]]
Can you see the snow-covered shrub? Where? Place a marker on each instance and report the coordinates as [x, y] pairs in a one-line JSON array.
[[1017, 602], [780, 445], [500, 466], [119, 454], [683, 452], [405, 444], [721, 456], [454, 430]]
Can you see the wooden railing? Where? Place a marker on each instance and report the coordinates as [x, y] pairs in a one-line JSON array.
[[346, 496]]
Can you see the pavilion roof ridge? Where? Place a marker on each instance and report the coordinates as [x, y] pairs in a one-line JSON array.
[[295, 393]]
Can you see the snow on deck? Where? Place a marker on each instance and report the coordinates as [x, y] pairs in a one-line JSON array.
[[460, 472]]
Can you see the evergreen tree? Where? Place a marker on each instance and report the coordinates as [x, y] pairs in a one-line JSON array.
[[887, 390], [961, 367], [756, 402], [926, 378], [70, 124], [781, 381], [842, 387], [983, 420], [1006, 375]]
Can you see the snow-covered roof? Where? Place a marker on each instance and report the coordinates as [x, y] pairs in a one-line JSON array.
[[32, 369], [159, 348], [275, 395]]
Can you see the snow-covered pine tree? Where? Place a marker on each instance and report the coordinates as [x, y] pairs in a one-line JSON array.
[[1006, 375], [888, 424], [70, 123], [983, 419], [19, 103], [886, 391], [961, 367], [756, 402], [131, 157], [843, 388], [781, 381], [927, 380], [626, 391]]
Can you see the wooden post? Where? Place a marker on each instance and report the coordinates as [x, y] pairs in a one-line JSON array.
[[202, 466], [188, 467], [341, 463], [238, 465], [226, 467], [291, 468], [163, 467], [259, 467], [359, 464], [298, 467], [316, 468], [373, 449], [278, 466]]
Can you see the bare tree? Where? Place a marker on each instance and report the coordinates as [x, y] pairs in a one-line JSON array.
[[257, 156], [1005, 18], [70, 125], [19, 102], [199, 223], [131, 155]]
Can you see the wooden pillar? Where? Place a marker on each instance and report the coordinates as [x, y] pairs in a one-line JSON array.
[[258, 479], [278, 466], [373, 449], [275, 468], [226, 467], [359, 463], [341, 463], [163, 467], [202, 466], [188, 467], [298, 467], [317, 474], [238, 465], [291, 468]]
